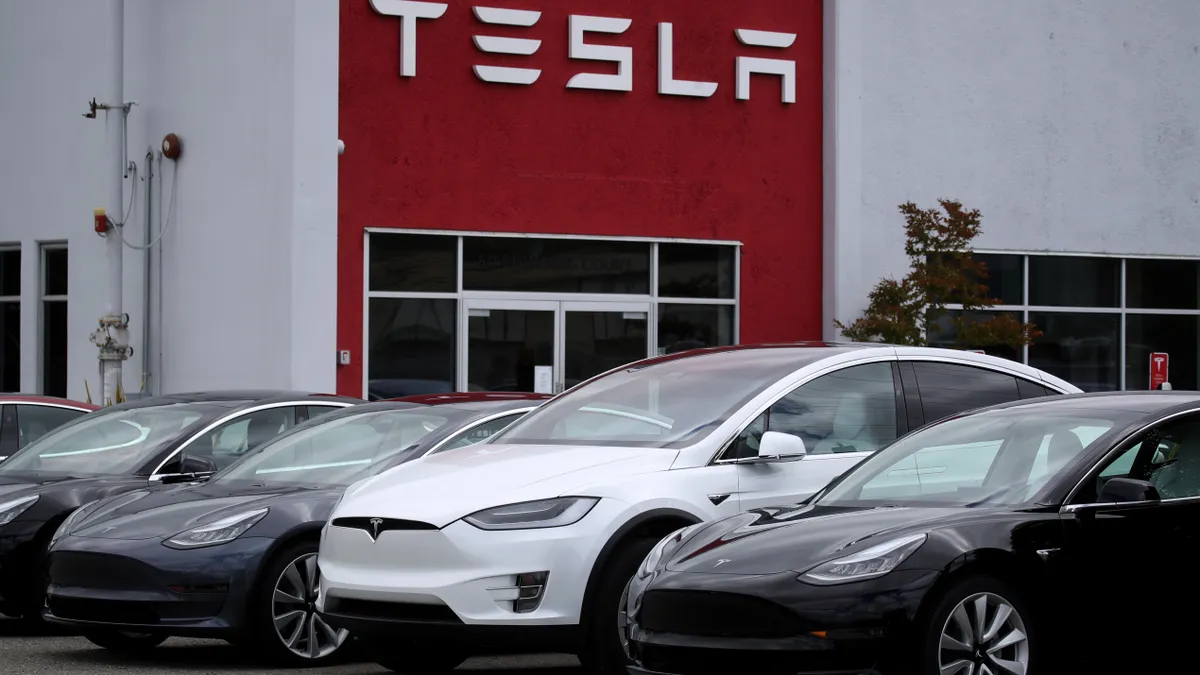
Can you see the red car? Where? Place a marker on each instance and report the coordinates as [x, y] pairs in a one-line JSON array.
[[24, 418]]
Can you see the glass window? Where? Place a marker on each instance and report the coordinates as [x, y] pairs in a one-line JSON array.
[[35, 421], [1062, 281], [10, 272], [1029, 389], [1079, 348], [947, 389], [55, 270], [850, 410], [696, 271], [227, 443], [425, 263], [54, 348], [683, 327], [10, 354], [318, 410], [596, 342], [411, 347], [480, 433], [669, 403], [525, 264], [1178, 336], [1168, 456], [985, 459], [1162, 284], [505, 346], [1005, 277], [944, 333], [341, 451], [109, 442]]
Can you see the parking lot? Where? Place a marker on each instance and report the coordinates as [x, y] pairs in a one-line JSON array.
[[43, 652]]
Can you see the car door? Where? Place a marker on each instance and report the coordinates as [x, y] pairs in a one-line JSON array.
[[842, 416], [1127, 562]]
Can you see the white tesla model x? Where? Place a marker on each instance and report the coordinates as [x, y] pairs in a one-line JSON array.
[[527, 543]]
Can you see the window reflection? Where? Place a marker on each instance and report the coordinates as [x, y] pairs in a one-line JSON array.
[[411, 347], [683, 327]]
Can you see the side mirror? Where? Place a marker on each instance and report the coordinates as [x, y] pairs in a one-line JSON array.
[[777, 446], [191, 468], [1124, 490]]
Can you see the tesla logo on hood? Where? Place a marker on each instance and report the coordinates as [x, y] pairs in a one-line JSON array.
[[722, 561], [375, 523]]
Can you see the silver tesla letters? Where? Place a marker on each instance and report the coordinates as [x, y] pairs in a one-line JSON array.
[[410, 11]]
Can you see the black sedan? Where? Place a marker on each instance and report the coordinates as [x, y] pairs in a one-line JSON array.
[[122, 448], [235, 557], [1015, 540]]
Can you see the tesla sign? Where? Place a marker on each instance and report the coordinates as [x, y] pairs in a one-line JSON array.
[[410, 12], [1159, 364]]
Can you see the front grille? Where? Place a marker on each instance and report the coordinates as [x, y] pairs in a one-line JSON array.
[[391, 611], [381, 525], [99, 570], [105, 611], [702, 661], [711, 614]]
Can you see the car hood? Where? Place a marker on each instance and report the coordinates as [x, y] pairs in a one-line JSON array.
[[24, 484], [444, 487], [768, 541], [161, 513]]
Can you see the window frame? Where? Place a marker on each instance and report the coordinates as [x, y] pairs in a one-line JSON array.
[[787, 389], [1123, 445], [460, 294], [1122, 309]]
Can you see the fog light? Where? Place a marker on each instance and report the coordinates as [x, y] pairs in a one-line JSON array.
[[530, 588]]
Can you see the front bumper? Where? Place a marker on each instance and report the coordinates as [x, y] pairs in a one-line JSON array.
[[701, 624], [19, 570], [143, 585], [457, 583]]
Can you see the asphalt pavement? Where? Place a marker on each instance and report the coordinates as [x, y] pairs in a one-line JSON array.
[[48, 652]]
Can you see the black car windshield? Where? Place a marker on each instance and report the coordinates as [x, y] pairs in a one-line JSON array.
[[668, 404], [996, 458], [109, 442], [341, 449]]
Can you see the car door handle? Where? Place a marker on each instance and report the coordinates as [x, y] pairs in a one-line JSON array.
[[717, 500]]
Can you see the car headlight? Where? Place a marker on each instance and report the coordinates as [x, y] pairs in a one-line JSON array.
[[223, 531], [533, 515], [660, 550], [72, 520], [10, 510], [868, 563]]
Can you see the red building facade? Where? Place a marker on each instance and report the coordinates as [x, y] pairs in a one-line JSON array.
[[617, 127]]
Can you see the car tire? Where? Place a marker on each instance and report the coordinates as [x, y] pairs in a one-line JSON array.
[[603, 652], [413, 659], [953, 632], [124, 642], [282, 614]]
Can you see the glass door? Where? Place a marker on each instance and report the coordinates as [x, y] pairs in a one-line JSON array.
[[510, 345], [600, 336]]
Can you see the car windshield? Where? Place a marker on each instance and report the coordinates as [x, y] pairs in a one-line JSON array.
[[109, 442], [667, 404], [995, 458], [342, 449]]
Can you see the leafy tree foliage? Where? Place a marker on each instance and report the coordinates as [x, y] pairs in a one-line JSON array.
[[944, 272]]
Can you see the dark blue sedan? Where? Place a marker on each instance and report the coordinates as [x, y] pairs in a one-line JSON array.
[[235, 557]]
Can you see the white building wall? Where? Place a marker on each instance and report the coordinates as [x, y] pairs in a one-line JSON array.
[[1071, 124], [248, 264]]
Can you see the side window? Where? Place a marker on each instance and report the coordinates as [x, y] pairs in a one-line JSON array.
[[481, 433], [318, 410], [1168, 456], [849, 410], [1028, 389], [947, 389], [228, 442], [35, 421]]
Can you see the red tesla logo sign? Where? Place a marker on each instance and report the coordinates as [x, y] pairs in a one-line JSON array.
[[1159, 363]]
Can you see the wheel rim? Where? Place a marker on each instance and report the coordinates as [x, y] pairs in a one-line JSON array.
[[293, 607], [984, 635], [623, 619]]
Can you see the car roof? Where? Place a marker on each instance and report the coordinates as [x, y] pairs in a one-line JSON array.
[[234, 398], [36, 399], [1149, 403]]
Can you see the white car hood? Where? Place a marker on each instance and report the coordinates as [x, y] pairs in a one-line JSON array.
[[444, 487]]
